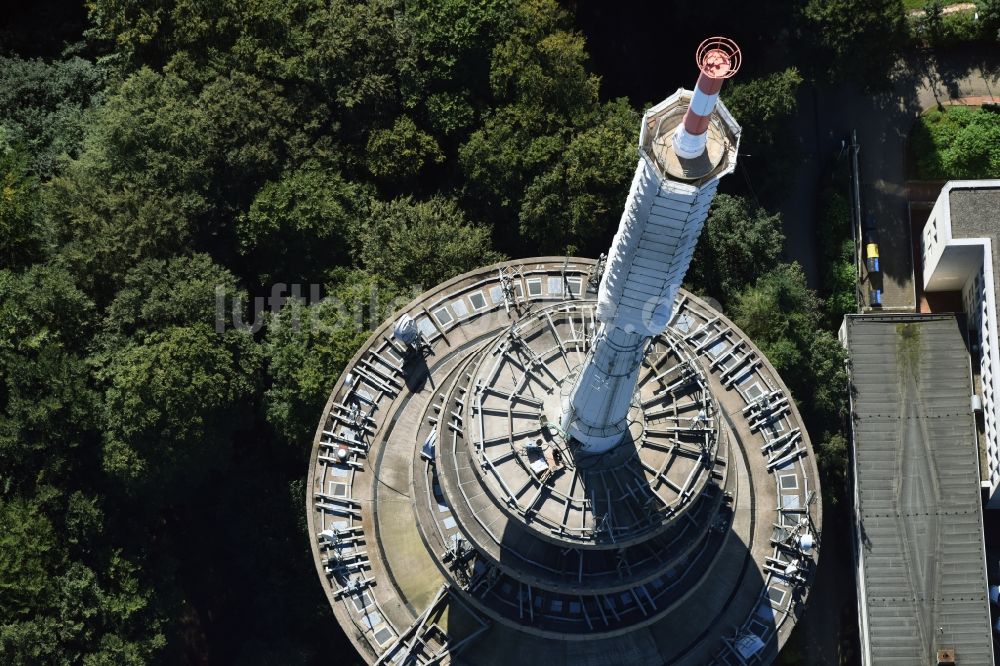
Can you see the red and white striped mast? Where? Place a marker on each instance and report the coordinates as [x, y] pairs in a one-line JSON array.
[[718, 59]]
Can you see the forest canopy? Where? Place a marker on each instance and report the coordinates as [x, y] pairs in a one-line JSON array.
[[170, 169]]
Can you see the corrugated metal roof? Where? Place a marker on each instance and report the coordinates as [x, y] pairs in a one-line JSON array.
[[918, 488]]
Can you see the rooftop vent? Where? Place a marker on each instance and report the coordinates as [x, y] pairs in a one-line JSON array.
[[946, 657]]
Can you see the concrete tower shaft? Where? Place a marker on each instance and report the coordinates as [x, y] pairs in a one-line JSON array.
[[680, 164]]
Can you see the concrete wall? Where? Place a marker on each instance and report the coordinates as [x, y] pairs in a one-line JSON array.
[[935, 236], [986, 328], [966, 265]]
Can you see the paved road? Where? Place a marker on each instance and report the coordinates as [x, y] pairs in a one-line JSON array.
[[826, 117]]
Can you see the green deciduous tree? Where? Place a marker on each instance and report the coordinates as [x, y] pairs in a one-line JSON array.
[[174, 398], [765, 107], [541, 65], [83, 522], [42, 107], [209, 145], [249, 126], [975, 151], [857, 40], [43, 306], [836, 257], [178, 382], [575, 205], [86, 618], [46, 401], [307, 347], [47, 414], [444, 60], [302, 224], [401, 151], [933, 19], [544, 97], [29, 556], [739, 243], [502, 157], [826, 403], [422, 242], [957, 142], [22, 236], [338, 55], [151, 135], [832, 458], [139, 183], [989, 18], [167, 164], [841, 279], [156, 294], [780, 314]]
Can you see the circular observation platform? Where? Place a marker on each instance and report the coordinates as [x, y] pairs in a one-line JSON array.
[[538, 478], [453, 522]]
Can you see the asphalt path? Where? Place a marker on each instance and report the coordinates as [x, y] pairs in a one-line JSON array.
[[828, 114]]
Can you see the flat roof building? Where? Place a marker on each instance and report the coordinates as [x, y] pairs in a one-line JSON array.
[[920, 553], [959, 254]]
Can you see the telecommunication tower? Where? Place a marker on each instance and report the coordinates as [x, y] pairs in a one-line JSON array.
[[528, 465]]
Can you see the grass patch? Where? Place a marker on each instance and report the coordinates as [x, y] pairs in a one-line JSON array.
[[838, 270], [956, 142]]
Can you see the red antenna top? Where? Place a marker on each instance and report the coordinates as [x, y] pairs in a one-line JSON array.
[[718, 57]]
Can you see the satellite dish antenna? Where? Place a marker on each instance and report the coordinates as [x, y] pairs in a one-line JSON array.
[[806, 543], [405, 330]]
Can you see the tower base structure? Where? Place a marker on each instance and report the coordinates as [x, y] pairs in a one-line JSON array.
[[463, 525], [611, 377]]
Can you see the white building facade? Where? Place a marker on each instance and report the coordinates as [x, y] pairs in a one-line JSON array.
[[959, 254]]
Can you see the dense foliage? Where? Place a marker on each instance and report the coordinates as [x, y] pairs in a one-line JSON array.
[[837, 252], [739, 242], [957, 142], [766, 106], [205, 206], [931, 25], [858, 40]]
